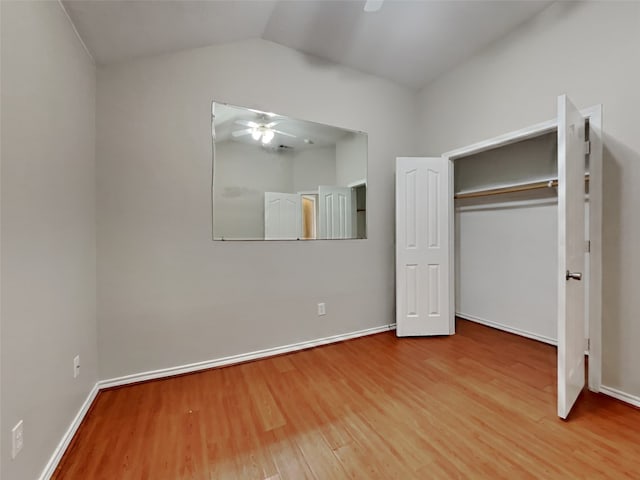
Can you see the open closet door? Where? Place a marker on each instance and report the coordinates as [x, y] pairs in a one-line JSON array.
[[424, 303], [571, 254], [282, 216]]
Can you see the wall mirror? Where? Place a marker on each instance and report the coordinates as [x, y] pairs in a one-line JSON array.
[[279, 178]]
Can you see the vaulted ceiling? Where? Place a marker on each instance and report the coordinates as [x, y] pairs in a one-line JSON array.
[[409, 42]]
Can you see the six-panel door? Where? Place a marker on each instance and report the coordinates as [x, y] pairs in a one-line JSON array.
[[423, 247]]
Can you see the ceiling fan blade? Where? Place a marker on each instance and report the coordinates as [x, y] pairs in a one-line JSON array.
[[272, 124], [284, 133], [268, 114], [247, 123], [239, 133]]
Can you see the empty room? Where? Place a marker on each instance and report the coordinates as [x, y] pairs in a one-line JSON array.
[[319, 239]]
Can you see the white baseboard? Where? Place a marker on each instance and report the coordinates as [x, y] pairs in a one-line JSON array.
[[233, 359], [625, 397], [506, 328], [68, 435]]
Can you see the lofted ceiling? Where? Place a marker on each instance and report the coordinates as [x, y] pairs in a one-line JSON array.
[[409, 42]]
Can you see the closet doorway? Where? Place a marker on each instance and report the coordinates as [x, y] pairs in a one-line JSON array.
[[428, 281]]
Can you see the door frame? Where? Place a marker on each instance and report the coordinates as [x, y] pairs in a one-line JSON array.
[[312, 197], [354, 224], [594, 303]]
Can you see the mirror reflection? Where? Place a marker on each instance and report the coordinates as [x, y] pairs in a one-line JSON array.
[[279, 178]]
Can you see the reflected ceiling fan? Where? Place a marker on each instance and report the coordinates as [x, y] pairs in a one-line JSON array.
[[260, 131]]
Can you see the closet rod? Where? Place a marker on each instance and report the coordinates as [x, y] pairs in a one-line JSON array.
[[511, 189]]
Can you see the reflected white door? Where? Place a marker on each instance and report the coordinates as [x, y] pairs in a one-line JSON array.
[[424, 295], [282, 216], [571, 254], [336, 211]]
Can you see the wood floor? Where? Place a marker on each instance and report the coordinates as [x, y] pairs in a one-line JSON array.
[[480, 404]]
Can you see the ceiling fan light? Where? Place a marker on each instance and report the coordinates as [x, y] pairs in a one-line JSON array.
[[267, 136], [255, 134]]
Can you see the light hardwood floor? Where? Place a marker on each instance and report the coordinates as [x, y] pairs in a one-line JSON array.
[[480, 404]]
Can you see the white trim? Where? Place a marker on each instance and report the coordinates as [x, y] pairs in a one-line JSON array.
[[452, 249], [620, 395], [75, 30], [531, 202], [505, 328], [505, 139], [594, 114], [234, 359], [518, 135], [519, 184], [68, 435], [358, 183]]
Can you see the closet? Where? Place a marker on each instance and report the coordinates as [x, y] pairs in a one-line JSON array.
[[507, 232], [505, 237]]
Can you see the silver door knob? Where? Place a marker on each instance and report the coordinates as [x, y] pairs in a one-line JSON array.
[[574, 275]]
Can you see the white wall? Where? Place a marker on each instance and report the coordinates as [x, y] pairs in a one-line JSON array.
[[589, 51], [167, 294], [48, 230], [350, 151], [527, 161], [313, 167], [506, 265], [242, 174]]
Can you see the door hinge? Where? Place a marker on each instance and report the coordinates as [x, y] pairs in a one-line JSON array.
[[588, 344], [587, 246], [587, 147]]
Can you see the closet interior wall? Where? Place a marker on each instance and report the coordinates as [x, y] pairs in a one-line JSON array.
[[506, 245]]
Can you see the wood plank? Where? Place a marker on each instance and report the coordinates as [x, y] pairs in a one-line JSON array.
[[268, 411]]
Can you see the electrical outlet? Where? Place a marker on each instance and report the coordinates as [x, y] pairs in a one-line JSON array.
[[322, 309], [76, 366], [17, 439]]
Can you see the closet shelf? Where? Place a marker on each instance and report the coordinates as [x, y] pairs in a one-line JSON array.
[[520, 187]]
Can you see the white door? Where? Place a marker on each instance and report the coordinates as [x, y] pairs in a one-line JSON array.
[[571, 254], [424, 295], [282, 216], [336, 212]]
